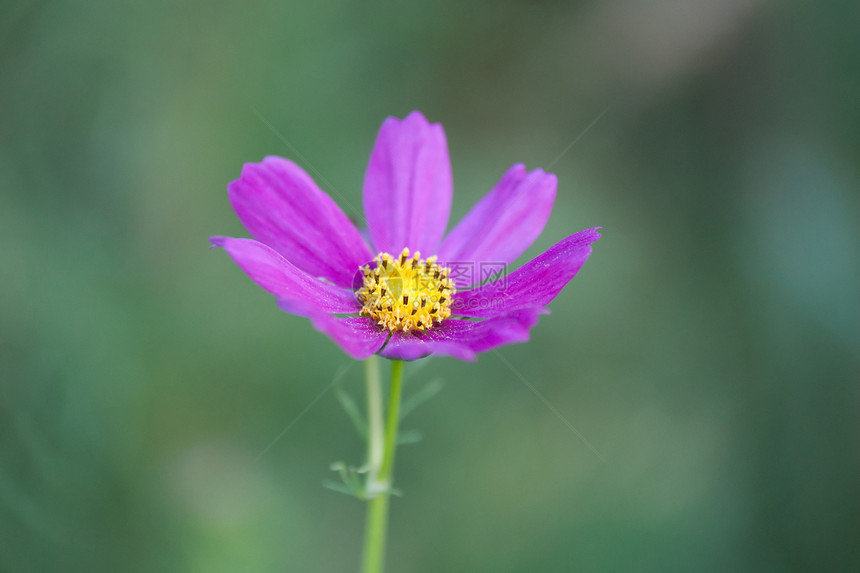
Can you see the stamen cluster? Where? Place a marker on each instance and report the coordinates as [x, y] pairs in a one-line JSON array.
[[406, 293]]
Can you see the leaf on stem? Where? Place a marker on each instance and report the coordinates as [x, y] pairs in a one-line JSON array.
[[352, 411], [409, 437], [422, 395]]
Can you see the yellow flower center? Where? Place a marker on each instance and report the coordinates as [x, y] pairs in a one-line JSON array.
[[406, 293]]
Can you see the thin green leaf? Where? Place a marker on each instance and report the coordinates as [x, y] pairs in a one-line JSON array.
[[340, 488], [352, 411], [409, 437], [413, 368], [422, 395]]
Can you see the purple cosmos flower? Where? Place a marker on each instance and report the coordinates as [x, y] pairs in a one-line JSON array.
[[389, 298]]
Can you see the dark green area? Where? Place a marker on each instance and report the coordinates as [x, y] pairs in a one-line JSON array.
[[709, 350]]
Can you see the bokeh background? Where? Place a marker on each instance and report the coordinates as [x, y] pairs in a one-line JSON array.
[[709, 350]]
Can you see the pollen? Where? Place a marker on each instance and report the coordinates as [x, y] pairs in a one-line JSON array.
[[407, 292]]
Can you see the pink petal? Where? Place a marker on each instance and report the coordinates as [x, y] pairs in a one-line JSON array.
[[407, 186], [503, 224], [359, 337], [283, 279], [463, 339], [534, 284], [281, 206]]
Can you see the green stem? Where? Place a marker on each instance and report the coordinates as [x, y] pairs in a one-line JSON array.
[[374, 534], [379, 487], [392, 421], [375, 429]]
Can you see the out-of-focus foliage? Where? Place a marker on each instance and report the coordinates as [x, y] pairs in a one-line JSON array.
[[709, 350]]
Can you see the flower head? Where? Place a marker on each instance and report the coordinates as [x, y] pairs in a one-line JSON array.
[[392, 299], [405, 293]]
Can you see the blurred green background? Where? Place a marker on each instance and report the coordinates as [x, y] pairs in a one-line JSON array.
[[709, 349]]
